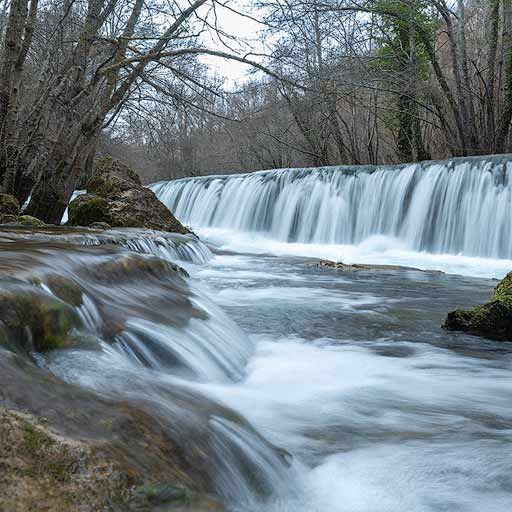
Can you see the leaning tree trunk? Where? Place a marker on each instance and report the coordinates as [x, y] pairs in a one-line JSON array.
[[60, 172]]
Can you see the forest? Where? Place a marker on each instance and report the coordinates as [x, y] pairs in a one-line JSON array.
[[255, 255], [329, 82]]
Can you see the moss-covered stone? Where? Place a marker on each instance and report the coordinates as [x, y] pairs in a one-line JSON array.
[[29, 221], [9, 205], [35, 322], [492, 320], [100, 225], [116, 197], [89, 209], [112, 177], [65, 289]]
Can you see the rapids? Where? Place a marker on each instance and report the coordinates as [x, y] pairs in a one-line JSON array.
[[307, 389]]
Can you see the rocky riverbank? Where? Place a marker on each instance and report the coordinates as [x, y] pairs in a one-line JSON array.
[[64, 447], [90, 333]]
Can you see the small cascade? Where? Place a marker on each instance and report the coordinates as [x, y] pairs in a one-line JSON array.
[[133, 327], [168, 246], [458, 206]]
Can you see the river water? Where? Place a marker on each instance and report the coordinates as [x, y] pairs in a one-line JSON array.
[[353, 375], [350, 372]]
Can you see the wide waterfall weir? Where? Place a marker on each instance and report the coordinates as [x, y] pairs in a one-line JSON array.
[[458, 206]]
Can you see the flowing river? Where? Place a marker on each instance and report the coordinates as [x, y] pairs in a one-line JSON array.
[[320, 390], [352, 373]]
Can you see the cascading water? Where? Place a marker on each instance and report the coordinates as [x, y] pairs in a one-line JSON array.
[[168, 246], [459, 206], [136, 329], [346, 395]]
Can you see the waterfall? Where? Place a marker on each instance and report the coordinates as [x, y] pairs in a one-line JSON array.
[[457, 206]]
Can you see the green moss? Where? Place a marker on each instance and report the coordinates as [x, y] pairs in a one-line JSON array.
[[89, 209], [48, 458], [503, 292], [104, 164], [65, 289], [49, 320], [492, 320], [9, 205], [28, 220]]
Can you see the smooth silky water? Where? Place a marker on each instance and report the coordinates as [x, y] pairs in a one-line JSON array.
[[381, 409], [312, 390]]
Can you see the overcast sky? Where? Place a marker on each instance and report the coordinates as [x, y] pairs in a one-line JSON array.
[[249, 34]]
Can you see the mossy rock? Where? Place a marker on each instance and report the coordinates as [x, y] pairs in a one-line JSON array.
[[139, 207], [29, 221], [34, 321], [100, 225], [492, 320], [8, 219], [65, 289], [115, 197], [9, 205], [89, 209], [112, 177]]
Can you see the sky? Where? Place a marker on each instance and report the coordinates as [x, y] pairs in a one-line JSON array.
[[247, 31]]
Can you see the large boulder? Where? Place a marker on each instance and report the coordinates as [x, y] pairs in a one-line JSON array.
[[89, 209], [492, 320], [9, 208], [29, 221], [111, 177], [116, 197]]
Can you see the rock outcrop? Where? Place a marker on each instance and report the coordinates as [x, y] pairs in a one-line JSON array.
[[492, 320], [115, 196], [368, 267], [9, 208], [53, 457]]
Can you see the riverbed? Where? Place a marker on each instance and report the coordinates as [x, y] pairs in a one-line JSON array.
[[349, 372]]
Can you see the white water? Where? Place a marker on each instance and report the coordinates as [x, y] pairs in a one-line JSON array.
[[452, 208], [388, 424], [351, 373], [382, 410]]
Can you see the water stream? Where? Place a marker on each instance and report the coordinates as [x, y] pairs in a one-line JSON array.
[[312, 390], [352, 373]]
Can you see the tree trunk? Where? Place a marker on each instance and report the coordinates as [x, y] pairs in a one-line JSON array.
[[506, 118]]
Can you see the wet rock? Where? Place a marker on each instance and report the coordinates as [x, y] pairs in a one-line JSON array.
[[358, 267], [100, 225], [116, 197], [163, 495], [9, 205], [89, 209], [492, 320], [65, 289], [29, 221], [35, 322], [10, 213], [53, 457]]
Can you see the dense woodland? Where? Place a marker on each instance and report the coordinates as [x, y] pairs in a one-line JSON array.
[[335, 82]]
